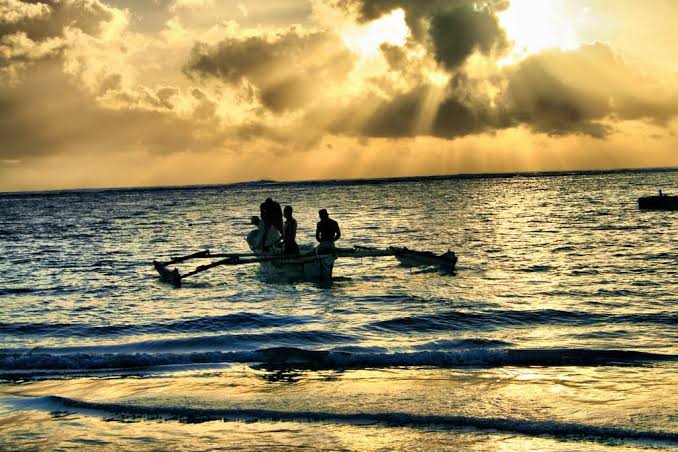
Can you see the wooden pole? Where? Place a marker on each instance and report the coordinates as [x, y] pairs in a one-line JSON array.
[[235, 260]]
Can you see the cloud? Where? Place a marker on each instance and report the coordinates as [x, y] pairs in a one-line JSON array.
[[49, 18], [48, 113], [560, 92], [80, 96], [585, 91], [287, 71], [14, 11], [19, 49], [458, 33], [190, 4], [454, 29], [35, 30]]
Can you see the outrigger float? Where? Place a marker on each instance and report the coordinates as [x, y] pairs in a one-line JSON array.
[[308, 265]]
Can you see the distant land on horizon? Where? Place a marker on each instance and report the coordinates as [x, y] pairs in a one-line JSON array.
[[357, 181]]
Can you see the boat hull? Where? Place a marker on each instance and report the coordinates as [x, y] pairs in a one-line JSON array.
[[306, 267], [662, 202]]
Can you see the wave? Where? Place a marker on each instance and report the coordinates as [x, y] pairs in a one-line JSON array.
[[235, 321], [296, 358], [473, 342], [16, 291], [223, 342], [487, 320], [537, 269], [520, 426]]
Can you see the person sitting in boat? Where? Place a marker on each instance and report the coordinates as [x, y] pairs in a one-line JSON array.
[[266, 239], [326, 233], [254, 233], [271, 214], [277, 216], [290, 232]]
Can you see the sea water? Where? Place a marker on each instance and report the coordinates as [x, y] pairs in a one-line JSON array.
[[558, 332]]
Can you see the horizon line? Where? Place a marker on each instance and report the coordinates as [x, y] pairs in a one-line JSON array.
[[358, 180]]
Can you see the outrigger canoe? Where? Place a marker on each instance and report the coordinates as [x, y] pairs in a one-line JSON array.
[[308, 265]]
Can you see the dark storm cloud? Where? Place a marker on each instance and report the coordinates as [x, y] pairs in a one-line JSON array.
[[457, 33], [455, 29], [287, 71]]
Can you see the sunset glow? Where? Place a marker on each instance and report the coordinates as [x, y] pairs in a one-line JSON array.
[[141, 90], [367, 39], [534, 26]]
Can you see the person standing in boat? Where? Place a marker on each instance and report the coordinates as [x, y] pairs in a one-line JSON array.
[[290, 232], [327, 232]]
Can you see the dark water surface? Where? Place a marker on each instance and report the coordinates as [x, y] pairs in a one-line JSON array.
[[560, 330]]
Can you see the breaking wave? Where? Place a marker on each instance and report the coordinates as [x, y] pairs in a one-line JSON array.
[[287, 357], [236, 321], [398, 419], [456, 320]]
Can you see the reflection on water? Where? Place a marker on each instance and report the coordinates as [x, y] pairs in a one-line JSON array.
[[547, 265]]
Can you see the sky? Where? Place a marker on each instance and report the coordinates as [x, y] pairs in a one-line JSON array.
[[120, 93]]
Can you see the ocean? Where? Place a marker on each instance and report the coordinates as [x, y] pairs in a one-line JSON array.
[[559, 330]]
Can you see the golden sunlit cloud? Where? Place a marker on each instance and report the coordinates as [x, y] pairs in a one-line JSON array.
[[534, 26], [366, 40]]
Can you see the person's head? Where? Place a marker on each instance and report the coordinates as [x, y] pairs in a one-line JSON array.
[[269, 200], [255, 220], [323, 214], [288, 212]]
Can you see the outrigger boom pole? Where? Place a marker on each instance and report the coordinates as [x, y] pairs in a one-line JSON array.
[[407, 257], [174, 277]]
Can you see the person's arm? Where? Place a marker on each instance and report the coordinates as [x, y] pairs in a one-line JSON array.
[[293, 231], [337, 236], [317, 232]]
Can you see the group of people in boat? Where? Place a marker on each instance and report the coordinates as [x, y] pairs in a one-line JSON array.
[[271, 232]]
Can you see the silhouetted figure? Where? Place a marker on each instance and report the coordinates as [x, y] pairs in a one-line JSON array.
[[271, 214], [269, 233], [253, 234], [290, 232], [326, 233]]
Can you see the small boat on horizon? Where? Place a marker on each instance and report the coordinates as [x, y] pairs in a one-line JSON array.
[[661, 202]]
